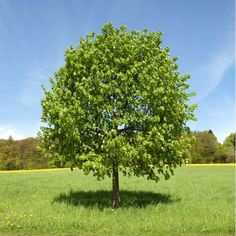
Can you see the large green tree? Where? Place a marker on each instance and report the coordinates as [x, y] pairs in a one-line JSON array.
[[118, 104]]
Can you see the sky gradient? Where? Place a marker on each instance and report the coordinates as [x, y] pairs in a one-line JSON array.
[[35, 34]]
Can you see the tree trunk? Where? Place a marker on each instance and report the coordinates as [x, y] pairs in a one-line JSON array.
[[115, 186]]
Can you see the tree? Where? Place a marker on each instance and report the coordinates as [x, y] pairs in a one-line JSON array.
[[229, 145], [118, 104], [230, 140], [204, 147], [10, 139]]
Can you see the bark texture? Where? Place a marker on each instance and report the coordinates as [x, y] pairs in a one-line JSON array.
[[115, 186]]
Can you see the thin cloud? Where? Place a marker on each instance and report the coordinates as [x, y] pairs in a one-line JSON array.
[[32, 91], [218, 113], [39, 75], [209, 76]]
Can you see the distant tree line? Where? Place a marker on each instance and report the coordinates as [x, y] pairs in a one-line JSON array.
[[206, 148], [24, 154], [21, 154]]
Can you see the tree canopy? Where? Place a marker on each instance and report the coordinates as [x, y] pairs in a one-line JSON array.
[[118, 103]]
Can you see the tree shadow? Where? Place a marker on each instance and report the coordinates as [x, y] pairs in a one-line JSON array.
[[103, 199]]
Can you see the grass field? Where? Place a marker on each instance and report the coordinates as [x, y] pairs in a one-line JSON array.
[[198, 200]]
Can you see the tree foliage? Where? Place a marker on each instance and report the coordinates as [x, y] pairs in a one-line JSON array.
[[119, 102], [230, 140], [204, 147], [229, 146]]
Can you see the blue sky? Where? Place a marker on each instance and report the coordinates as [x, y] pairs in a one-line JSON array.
[[35, 34]]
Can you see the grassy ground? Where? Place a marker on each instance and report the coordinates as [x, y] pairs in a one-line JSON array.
[[196, 201]]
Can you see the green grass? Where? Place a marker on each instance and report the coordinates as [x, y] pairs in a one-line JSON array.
[[196, 201]]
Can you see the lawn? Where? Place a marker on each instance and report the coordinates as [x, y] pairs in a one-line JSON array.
[[198, 200]]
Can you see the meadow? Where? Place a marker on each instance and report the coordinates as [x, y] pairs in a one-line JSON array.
[[197, 200]]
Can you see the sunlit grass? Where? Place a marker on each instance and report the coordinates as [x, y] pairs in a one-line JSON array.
[[196, 201], [59, 169], [35, 170], [212, 164]]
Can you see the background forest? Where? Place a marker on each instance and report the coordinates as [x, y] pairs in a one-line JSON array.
[[24, 154]]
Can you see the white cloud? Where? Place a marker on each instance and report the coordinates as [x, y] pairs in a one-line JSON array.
[[221, 135], [29, 130], [9, 130]]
